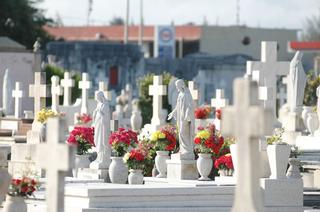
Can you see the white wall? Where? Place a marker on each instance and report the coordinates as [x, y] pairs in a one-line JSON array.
[[20, 65]]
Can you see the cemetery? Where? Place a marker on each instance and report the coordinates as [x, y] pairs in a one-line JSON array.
[[131, 139]]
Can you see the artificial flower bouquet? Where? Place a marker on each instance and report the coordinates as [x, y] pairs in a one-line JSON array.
[[83, 138], [202, 112], [135, 159], [164, 139], [121, 140], [224, 162], [44, 114], [24, 186], [83, 118]]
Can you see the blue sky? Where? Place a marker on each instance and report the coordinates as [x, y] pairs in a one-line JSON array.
[[263, 13]]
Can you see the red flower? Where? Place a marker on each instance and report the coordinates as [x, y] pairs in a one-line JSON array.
[[197, 140]]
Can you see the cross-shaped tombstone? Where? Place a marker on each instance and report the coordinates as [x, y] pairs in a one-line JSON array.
[[218, 103], [269, 68], [56, 91], [56, 157], [247, 122], [67, 83], [39, 91], [84, 85], [157, 90], [17, 94], [194, 92], [103, 86], [114, 125], [282, 96]]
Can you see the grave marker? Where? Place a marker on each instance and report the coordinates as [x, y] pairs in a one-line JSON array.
[[17, 94], [56, 91], [84, 85], [194, 92], [103, 86], [67, 83], [39, 91]]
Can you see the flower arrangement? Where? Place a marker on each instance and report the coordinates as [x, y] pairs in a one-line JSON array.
[[83, 138], [44, 114], [209, 141], [202, 112], [224, 162], [121, 140], [83, 118], [276, 138], [24, 186], [164, 139], [218, 114], [135, 159]]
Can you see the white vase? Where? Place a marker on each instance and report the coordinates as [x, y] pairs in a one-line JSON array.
[[294, 169], [204, 166], [161, 163], [118, 171], [304, 114], [234, 155], [278, 155], [225, 172], [136, 121], [81, 161], [14, 204], [312, 122], [135, 176]]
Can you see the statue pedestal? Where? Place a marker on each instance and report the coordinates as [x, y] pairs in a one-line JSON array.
[[181, 169], [94, 174]]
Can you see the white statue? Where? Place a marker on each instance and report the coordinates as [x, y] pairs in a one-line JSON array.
[[101, 120], [184, 114], [297, 82], [172, 92]]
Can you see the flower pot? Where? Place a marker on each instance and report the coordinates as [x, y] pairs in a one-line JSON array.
[[81, 161], [312, 122], [14, 204], [118, 171], [278, 155], [204, 166], [304, 115], [136, 121], [135, 176], [234, 155], [161, 163], [225, 172]]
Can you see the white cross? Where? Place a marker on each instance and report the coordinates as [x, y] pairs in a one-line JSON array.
[[17, 94], [246, 121], [57, 158], [282, 96], [194, 92], [67, 83], [103, 86], [39, 91], [85, 85], [219, 102], [285, 81], [56, 91], [157, 90], [269, 68]]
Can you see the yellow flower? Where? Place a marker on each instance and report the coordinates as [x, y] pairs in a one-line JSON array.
[[161, 135], [203, 134], [126, 157]]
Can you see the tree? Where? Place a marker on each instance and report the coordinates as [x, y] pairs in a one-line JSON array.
[[116, 20], [310, 96], [312, 29], [23, 22]]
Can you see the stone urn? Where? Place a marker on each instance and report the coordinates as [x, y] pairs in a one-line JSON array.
[[294, 169], [14, 204], [161, 163], [81, 161], [135, 176], [278, 155], [312, 123], [225, 172], [136, 120], [118, 171], [204, 166], [304, 115], [234, 155]]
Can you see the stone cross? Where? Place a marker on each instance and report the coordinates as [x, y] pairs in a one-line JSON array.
[[67, 83], [247, 122], [282, 96], [57, 158], [39, 91], [56, 91], [85, 85], [269, 69], [103, 86], [157, 90], [194, 92], [17, 94], [219, 102]]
